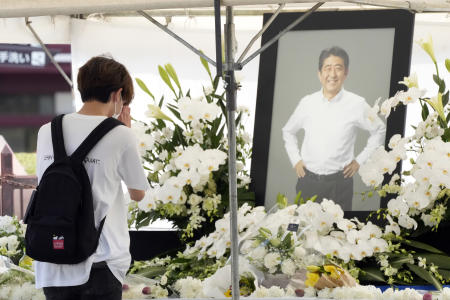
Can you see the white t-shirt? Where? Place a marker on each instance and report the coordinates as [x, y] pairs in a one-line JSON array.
[[113, 159]]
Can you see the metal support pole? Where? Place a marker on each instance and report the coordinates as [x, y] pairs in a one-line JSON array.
[[177, 37], [218, 32], [49, 54], [278, 36], [231, 89], [272, 18]]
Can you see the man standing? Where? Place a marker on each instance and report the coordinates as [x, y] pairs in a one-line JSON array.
[[330, 117], [106, 89]]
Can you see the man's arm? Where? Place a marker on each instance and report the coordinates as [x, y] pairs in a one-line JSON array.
[[136, 195], [377, 131], [130, 169], [289, 131]]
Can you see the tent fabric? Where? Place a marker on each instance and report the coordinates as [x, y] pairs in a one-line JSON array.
[[24, 8]]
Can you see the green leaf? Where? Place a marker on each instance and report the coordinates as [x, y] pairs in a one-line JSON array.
[[297, 198], [423, 246], [398, 262], [238, 119], [143, 87], [166, 79], [371, 274], [152, 272], [425, 275], [425, 112], [444, 273], [446, 135], [171, 71], [175, 112], [287, 241], [445, 99], [313, 198], [206, 66], [161, 101], [282, 201], [447, 64]]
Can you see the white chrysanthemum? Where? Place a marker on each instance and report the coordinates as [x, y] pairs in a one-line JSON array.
[[258, 253], [189, 287], [272, 260], [299, 252], [288, 267]]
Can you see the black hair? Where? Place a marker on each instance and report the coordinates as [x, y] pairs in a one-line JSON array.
[[335, 51]]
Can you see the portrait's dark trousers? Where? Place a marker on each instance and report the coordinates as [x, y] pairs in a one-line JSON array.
[[333, 187]]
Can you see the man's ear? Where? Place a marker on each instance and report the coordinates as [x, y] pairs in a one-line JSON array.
[[115, 95]]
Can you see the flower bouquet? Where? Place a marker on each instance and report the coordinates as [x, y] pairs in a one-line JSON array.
[[420, 197], [185, 155]]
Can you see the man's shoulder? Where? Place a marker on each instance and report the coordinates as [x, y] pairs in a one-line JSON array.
[[311, 97], [350, 96]]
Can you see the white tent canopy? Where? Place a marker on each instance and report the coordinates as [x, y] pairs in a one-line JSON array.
[[28, 8]]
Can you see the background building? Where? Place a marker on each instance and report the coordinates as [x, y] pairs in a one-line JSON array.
[[32, 92]]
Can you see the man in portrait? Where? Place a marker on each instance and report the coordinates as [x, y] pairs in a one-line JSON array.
[[330, 117]]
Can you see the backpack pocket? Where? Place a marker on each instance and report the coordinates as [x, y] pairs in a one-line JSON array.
[[51, 239]]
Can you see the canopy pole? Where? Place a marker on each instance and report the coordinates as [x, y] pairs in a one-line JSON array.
[[218, 34], [231, 88], [49, 54], [177, 37], [279, 35], [260, 33]]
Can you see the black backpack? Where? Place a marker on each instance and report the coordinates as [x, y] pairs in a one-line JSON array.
[[60, 215]]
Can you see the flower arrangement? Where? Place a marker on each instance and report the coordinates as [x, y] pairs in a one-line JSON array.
[[420, 197], [12, 237], [186, 157]]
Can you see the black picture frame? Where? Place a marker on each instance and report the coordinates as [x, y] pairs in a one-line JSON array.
[[401, 21]]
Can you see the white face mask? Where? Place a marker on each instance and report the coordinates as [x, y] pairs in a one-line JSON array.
[[116, 115]]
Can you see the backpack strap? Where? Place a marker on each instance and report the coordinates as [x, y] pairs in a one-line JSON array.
[[59, 151], [92, 139]]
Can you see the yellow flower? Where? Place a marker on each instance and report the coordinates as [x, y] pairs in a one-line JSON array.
[[26, 262], [311, 279], [313, 269], [411, 81], [436, 103], [155, 112], [228, 293], [428, 47], [334, 271]]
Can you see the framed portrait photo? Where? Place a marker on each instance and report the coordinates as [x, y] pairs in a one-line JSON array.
[[315, 87]]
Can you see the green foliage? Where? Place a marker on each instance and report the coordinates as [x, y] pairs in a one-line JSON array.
[[28, 161], [212, 136]]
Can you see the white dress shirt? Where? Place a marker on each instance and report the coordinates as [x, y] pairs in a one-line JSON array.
[[330, 131]]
